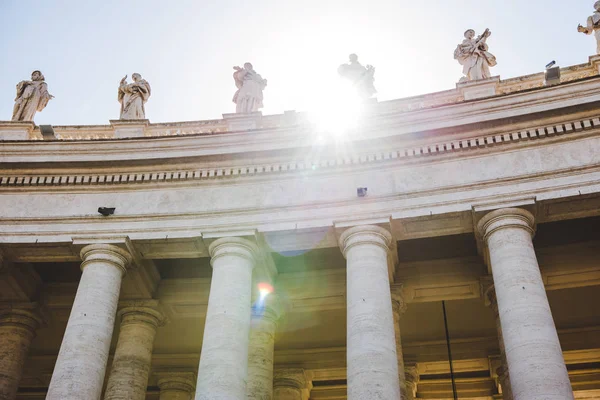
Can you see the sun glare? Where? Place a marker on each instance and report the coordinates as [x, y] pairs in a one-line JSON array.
[[264, 289], [337, 110]]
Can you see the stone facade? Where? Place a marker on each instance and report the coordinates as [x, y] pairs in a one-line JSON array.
[[484, 195]]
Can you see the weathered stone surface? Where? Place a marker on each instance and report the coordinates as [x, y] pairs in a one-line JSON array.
[[371, 344], [32, 96], [128, 377], [18, 323], [223, 366], [249, 96], [261, 350], [176, 385], [592, 25], [289, 384], [473, 55], [133, 96], [533, 353], [81, 364]]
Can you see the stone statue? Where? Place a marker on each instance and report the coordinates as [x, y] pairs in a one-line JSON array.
[[473, 55], [32, 96], [133, 96], [361, 77], [593, 25], [249, 96]]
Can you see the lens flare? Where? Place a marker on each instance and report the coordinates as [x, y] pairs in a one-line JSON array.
[[264, 289]]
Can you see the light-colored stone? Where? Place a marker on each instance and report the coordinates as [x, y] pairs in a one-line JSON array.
[[533, 353], [592, 25], [18, 324], [128, 377], [290, 384], [411, 376], [371, 345], [249, 96], [81, 363], [360, 77], [473, 55], [261, 349], [133, 96], [16, 130], [129, 128], [32, 96], [176, 385], [223, 366], [489, 294], [399, 308]]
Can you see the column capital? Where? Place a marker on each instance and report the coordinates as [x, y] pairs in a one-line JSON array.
[[145, 312], [270, 309], [233, 246], [23, 315], [290, 377], [108, 253], [488, 292], [183, 381], [411, 371], [398, 303], [506, 218], [365, 234]]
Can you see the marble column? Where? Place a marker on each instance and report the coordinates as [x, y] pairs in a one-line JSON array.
[[533, 353], [176, 385], [289, 384], [372, 362], [261, 349], [18, 323], [411, 375], [502, 370], [128, 377], [399, 308], [223, 366], [80, 368]]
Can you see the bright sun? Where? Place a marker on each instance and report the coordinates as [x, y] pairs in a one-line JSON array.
[[337, 109]]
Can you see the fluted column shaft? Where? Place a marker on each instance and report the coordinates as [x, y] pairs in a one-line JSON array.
[[533, 353], [261, 352], [288, 384], [17, 329], [128, 377], [176, 385], [224, 359], [81, 364], [372, 362], [399, 308]]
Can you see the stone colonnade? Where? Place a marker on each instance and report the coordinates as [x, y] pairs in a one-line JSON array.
[[237, 351]]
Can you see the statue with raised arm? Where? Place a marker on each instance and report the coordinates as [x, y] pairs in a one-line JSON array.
[[32, 96], [361, 77], [474, 56], [249, 96], [593, 25], [133, 96]]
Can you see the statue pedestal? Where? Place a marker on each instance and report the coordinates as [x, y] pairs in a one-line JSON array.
[[16, 130], [595, 62], [242, 122], [129, 128], [472, 90]]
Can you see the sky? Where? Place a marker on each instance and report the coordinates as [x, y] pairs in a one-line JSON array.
[[186, 49]]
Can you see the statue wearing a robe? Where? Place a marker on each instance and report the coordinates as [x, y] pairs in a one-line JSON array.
[[593, 26], [474, 56], [133, 96], [360, 77], [249, 96], [32, 96]]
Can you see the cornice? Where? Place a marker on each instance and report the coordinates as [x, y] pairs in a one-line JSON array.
[[381, 122], [446, 147]]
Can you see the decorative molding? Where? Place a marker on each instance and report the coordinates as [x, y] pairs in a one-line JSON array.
[[406, 154]]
